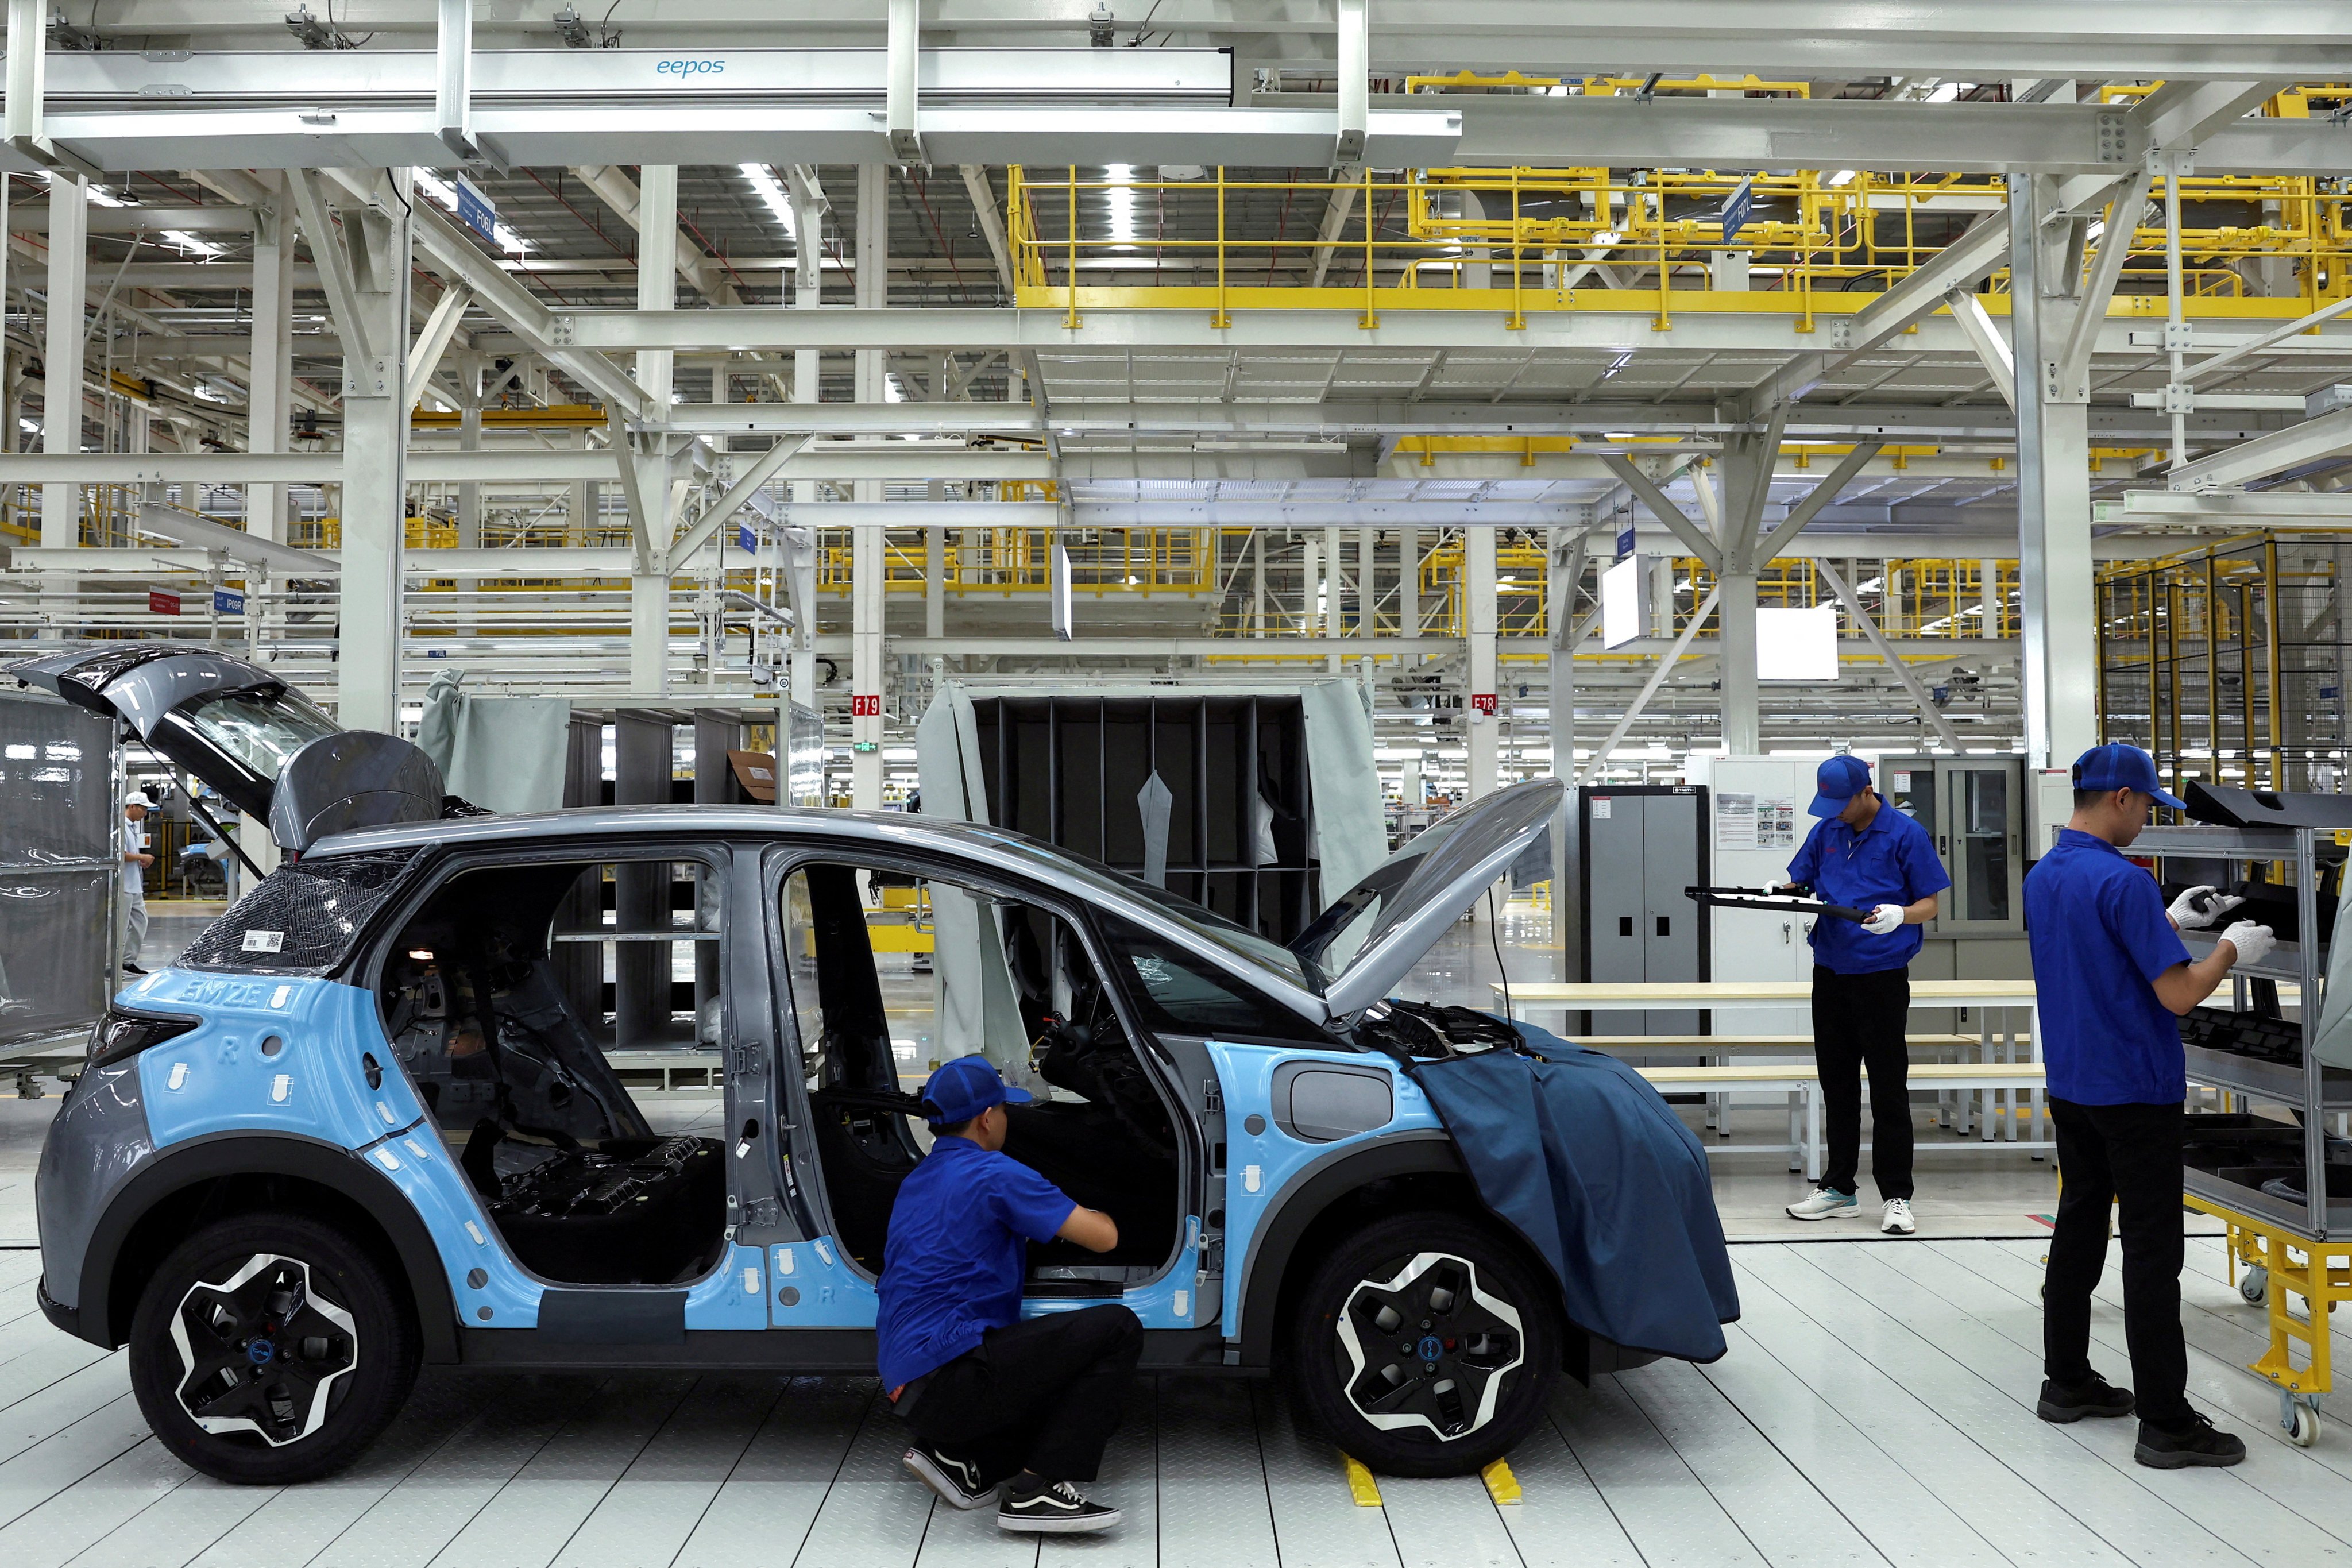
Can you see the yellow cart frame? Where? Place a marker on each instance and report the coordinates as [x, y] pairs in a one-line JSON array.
[[2279, 1263]]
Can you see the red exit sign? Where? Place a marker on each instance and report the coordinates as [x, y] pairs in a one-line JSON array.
[[866, 707]]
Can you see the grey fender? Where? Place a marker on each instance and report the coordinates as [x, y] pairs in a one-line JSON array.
[[1303, 1199], [104, 1313]]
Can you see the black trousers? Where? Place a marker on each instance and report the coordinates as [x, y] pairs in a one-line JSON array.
[[1859, 1019], [2130, 1154], [1043, 1396]]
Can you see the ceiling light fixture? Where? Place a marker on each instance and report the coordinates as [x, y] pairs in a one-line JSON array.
[[1122, 205], [772, 192]]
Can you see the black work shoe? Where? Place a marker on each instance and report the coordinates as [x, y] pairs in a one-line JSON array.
[[2062, 1402], [130, 968], [2196, 1443], [1054, 1509], [958, 1481]]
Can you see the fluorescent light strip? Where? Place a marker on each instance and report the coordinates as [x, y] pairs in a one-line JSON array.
[[772, 192], [1122, 205]]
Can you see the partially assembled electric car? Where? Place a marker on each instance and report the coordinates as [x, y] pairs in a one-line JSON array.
[[376, 1115]]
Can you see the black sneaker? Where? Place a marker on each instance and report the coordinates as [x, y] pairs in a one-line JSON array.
[[958, 1481], [2196, 1443], [1055, 1510], [130, 968], [2062, 1402]]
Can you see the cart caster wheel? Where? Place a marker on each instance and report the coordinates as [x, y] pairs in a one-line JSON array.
[[2304, 1428], [2253, 1284]]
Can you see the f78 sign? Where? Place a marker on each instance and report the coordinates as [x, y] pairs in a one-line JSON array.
[[1482, 701], [865, 707]]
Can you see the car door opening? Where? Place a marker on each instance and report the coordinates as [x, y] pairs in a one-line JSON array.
[[1014, 981], [501, 995]]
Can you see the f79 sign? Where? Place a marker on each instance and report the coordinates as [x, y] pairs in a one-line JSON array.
[[865, 707]]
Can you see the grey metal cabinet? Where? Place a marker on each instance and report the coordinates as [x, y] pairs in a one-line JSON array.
[[1641, 846]]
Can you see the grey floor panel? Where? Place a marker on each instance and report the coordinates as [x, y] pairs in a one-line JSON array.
[[762, 1512], [1905, 1522], [55, 1405], [1928, 1442], [1906, 1332], [876, 1514], [1561, 1521], [533, 1515], [176, 1526], [1131, 1483], [1449, 1522], [2279, 1494], [49, 1358], [1315, 1518], [2312, 1481], [1213, 1508], [297, 1523], [413, 1522], [1663, 1506], [81, 1515], [1775, 1504], [57, 1462], [655, 1506]]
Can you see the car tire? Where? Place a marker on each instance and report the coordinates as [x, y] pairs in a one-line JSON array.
[[1371, 1361], [268, 1349]]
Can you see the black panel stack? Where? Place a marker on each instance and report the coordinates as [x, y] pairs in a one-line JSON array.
[[1069, 770]]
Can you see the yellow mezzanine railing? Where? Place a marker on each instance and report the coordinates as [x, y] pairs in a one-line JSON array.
[[1523, 239]]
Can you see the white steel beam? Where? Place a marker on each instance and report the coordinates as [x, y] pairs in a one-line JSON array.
[[433, 340], [61, 358], [2308, 442], [1993, 349], [1920, 697], [1676, 522], [1821, 495], [1666, 662]]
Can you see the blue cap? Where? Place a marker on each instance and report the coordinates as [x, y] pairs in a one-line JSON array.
[[962, 1088], [1837, 781], [2121, 766]]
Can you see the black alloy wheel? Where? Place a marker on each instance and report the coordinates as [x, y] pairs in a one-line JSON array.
[[1427, 1344], [268, 1349]]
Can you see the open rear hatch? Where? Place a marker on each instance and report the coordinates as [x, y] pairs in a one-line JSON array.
[[240, 729], [1369, 938]]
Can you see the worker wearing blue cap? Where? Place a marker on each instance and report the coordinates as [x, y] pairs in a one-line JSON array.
[[2110, 976], [1865, 855], [994, 1401]]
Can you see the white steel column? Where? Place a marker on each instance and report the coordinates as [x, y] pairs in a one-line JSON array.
[[469, 439], [808, 279], [269, 366], [2058, 625], [656, 291], [1478, 597], [61, 355], [867, 554], [373, 504]]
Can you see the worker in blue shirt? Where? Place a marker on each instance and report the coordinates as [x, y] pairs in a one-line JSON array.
[[2110, 975], [994, 1401], [1865, 855]]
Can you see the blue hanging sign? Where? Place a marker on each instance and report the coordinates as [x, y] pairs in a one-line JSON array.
[[227, 602], [747, 538], [1737, 209], [1625, 540], [477, 211]]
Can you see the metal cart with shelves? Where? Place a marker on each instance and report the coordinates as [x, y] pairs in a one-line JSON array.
[[2285, 1248]]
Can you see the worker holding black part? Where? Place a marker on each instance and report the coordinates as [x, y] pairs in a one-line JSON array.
[[994, 1401], [1867, 856], [2111, 976]]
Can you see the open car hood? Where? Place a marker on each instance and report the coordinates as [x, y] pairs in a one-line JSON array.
[[1370, 936], [235, 725]]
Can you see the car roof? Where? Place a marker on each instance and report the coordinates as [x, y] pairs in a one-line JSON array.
[[993, 849]]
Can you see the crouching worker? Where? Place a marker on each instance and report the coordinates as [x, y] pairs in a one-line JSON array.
[[994, 1401]]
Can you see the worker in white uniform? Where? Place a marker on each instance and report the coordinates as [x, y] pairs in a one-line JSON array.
[[135, 861]]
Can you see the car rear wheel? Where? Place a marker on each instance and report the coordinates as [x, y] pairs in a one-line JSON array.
[[1426, 1344], [267, 1348]]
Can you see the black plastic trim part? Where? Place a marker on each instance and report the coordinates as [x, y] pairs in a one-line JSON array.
[[59, 1317], [1427, 1150], [615, 1317], [808, 1351], [220, 1154]]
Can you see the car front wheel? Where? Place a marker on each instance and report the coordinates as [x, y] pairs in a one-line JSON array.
[[1426, 1344], [267, 1348]]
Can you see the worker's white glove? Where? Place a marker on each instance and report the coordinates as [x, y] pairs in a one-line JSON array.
[[2252, 942], [1886, 918], [1774, 884], [2187, 916]]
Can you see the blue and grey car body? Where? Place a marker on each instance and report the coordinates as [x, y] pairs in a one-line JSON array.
[[255, 1075]]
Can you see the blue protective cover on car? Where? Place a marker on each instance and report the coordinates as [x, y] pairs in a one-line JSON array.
[[1587, 1161]]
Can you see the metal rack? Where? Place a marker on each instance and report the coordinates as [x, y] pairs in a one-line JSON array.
[[2284, 1247]]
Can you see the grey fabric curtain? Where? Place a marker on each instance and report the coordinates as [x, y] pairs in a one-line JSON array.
[[503, 753]]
